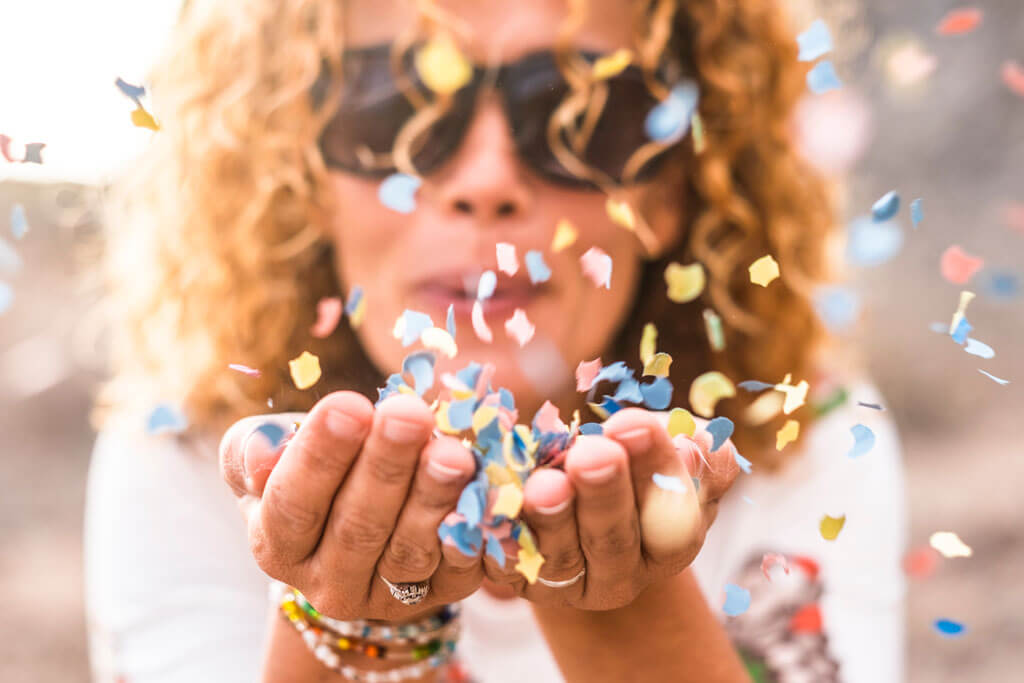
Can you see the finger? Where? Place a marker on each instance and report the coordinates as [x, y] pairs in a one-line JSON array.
[[245, 461], [367, 506], [302, 485], [670, 511], [606, 517], [549, 510], [414, 550], [719, 468]]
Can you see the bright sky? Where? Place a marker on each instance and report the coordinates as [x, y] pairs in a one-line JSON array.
[[58, 63]]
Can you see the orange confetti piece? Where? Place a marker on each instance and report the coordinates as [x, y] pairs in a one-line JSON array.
[[958, 266], [328, 313], [787, 435], [305, 370], [1013, 77], [959, 21], [920, 563], [685, 283], [831, 526], [764, 270]]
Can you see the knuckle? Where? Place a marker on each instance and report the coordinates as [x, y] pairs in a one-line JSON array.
[[266, 556], [563, 560], [359, 533], [280, 508], [618, 541], [389, 470], [319, 457], [412, 557]]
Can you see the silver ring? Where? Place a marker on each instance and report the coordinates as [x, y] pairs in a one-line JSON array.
[[563, 584], [408, 593]]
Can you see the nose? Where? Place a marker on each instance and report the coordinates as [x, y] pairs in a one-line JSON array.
[[484, 179]]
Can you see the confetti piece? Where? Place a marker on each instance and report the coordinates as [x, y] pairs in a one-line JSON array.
[[873, 406], [680, 421], [658, 394], [594, 428], [700, 142], [648, 342], [9, 259], [838, 307], [398, 192], [962, 329], [707, 390], [410, 326], [449, 323], [597, 265], [753, 385], [959, 315], [620, 213], [807, 619], [831, 526], [668, 483], [795, 395], [355, 307], [863, 440], [669, 120], [538, 270], [949, 544], [143, 119], [1013, 77], [713, 328], [483, 332], [132, 92], [720, 429], [764, 270], [743, 463], [19, 222], [958, 266], [460, 413], [949, 628], [439, 340], [1001, 284], [34, 153], [507, 261], [772, 560], [328, 313], [509, 502], [611, 65], [822, 78], [519, 327], [442, 66], [273, 433], [485, 287], [586, 372], [529, 565], [166, 419], [565, 235], [959, 21], [916, 213], [886, 208], [787, 435], [305, 370], [737, 600], [814, 42], [920, 563], [870, 243], [658, 365], [495, 550], [244, 369], [980, 349], [685, 283], [910, 64]]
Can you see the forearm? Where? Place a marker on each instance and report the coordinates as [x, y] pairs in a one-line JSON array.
[[667, 633]]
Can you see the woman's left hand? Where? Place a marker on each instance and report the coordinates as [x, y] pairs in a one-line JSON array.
[[604, 515]]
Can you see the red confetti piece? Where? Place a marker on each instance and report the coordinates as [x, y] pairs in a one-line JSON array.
[[1013, 77], [958, 266], [809, 566], [807, 619], [959, 21], [770, 560], [328, 313], [920, 563]]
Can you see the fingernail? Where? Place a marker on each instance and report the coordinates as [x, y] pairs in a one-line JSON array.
[[553, 509], [636, 440], [443, 473], [343, 425], [599, 475], [402, 431]]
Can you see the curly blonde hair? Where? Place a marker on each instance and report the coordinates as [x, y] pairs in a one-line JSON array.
[[215, 257]]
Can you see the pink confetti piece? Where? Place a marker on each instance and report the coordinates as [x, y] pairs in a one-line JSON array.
[[959, 21], [597, 265], [507, 261], [519, 327], [479, 324], [958, 266], [244, 369], [586, 371], [328, 313], [1013, 77], [1013, 216], [770, 560]]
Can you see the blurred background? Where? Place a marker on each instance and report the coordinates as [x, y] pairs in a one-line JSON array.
[[940, 117]]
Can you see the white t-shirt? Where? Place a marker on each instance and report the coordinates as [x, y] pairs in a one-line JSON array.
[[174, 596]]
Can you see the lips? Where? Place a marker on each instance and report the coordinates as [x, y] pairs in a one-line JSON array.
[[459, 289]]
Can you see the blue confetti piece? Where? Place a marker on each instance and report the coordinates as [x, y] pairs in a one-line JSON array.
[[467, 538], [495, 550], [814, 42], [886, 208], [460, 413], [823, 78], [838, 307], [863, 440], [744, 464], [354, 297], [19, 221], [616, 372], [471, 502], [963, 328], [870, 243], [940, 328], [34, 153], [469, 374], [132, 92], [668, 483], [980, 349], [737, 600], [421, 366], [1000, 284], [506, 399], [720, 429], [628, 390], [658, 394], [535, 266], [415, 324], [485, 288], [916, 212], [610, 405], [273, 433], [670, 119], [594, 428], [449, 321], [398, 192], [995, 379], [949, 628], [753, 385], [166, 419], [9, 259], [6, 297]]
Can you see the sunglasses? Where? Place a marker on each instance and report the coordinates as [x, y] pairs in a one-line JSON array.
[[606, 144]]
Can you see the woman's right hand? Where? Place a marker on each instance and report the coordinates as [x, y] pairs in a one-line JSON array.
[[356, 494]]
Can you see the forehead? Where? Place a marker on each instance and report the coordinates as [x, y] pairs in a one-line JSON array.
[[503, 28]]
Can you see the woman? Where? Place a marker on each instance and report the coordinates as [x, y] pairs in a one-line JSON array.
[[272, 186]]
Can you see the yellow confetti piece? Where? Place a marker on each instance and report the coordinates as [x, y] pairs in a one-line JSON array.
[[764, 408], [965, 299], [620, 213], [685, 283], [949, 544], [305, 370], [700, 142], [438, 339], [565, 235], [831, 526], [483, 417], [648, 342], [706, 391], [526, 541], [680, 421], [613, 64], [529, 565], [357, 316], [442, 66], [658, 365], [509, 501], [787, 435], [498, 475], [764, 270], [601, 413], [796, 396], [143, 119], [441, 418]]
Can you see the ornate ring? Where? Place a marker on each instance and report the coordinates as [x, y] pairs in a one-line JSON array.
[[563, 584], [408, 593]]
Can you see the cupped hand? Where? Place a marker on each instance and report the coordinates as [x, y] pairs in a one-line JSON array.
[[355, 495]]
